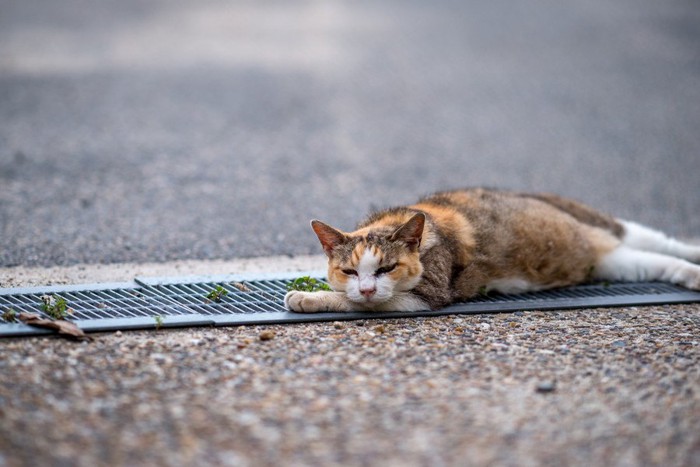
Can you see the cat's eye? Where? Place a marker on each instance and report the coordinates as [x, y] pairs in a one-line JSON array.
[[349, 272], [385, 269]]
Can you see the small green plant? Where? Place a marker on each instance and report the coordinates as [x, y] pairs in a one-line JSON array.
[[54, 306], [159, 321], [217, 294], [307, 284], [10, 315]]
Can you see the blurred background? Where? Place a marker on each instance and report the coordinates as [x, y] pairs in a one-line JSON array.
[[137, 130]]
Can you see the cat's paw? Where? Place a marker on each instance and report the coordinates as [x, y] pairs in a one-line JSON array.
[[688, 277], [313, 302], [300, 302], [692, 281]]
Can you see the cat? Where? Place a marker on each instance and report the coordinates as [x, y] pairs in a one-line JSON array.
[[454, 245]]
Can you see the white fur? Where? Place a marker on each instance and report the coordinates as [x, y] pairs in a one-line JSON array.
[[628, 264], [646, 239], [402, 302], [366, 268], [511, 286], [648, 255]]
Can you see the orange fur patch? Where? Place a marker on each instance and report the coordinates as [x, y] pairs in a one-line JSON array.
[[452, 223]]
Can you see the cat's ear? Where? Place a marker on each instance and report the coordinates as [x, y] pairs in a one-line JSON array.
[[328, 236], [411, 232]]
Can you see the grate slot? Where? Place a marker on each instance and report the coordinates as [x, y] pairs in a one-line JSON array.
[[100, 307], [194, 296], [17, 302]]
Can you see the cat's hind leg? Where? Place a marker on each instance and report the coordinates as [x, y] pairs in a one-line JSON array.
[[644, 238], [629, 264]]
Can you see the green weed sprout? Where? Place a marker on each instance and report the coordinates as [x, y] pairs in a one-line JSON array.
[[217, 294], [10, 315], [55, 306], [307, 284]]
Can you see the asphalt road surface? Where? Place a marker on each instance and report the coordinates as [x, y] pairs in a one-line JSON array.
[[151, 131]]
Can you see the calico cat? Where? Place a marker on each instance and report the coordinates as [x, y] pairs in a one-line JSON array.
[[454, 245]]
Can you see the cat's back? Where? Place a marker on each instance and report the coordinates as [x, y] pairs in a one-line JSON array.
[[492, 220], [482, 208], [491, 208], [468, 200]]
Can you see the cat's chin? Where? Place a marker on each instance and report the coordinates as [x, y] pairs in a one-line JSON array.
[[369, 303]]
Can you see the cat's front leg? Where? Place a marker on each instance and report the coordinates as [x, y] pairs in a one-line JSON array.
[[316, 302]]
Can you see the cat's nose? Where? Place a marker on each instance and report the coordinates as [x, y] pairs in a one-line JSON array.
[[367, 293]]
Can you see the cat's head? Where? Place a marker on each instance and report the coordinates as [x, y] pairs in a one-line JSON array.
[[372, 264]]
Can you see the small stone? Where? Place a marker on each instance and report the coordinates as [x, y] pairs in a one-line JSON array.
[[545, 387], [618, 344], [381, 329], [338, 325], [161, 358], [266, 335]]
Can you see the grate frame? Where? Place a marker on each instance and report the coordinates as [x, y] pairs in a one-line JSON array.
[[181, 302]]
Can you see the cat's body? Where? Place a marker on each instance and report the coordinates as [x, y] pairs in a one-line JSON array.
[[451, 246]]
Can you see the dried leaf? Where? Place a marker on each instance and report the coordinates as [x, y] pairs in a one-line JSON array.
[[241, 286], [64, 328]]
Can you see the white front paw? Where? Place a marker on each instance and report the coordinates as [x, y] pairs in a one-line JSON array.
[[305, 302]]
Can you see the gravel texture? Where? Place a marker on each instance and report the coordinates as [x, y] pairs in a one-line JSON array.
[[590, 387]]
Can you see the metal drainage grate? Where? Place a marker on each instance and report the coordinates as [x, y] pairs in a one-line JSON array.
[[258, 300]]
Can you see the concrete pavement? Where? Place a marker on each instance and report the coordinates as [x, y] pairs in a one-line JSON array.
[[216, 130]]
